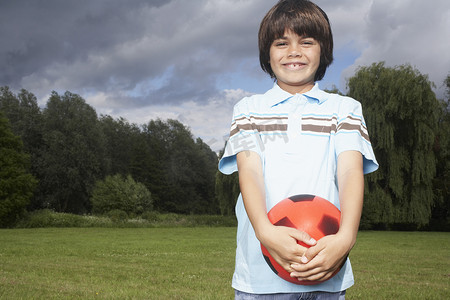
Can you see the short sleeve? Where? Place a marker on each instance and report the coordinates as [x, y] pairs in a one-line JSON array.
[[352, 134], [243, 136]]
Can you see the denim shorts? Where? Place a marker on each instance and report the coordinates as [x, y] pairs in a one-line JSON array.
[[296, 296]]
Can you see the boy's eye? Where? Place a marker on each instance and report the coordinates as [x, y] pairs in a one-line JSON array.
[[280, 43], [308, 42]]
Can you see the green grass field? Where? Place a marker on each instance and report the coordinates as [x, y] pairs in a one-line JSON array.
[[196, 263]]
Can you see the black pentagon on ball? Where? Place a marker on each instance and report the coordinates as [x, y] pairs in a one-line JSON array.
[[285, 222], [270, 264], [298, 198], [328, 225]]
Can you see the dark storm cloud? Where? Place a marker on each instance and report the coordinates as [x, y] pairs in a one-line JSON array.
[[112, 46], [37, 34]]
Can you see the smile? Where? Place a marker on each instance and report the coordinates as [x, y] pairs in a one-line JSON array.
[[294, 66]]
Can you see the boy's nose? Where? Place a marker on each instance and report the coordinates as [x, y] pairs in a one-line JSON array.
[[294, 52]]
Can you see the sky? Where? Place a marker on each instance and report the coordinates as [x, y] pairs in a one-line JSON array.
[[192, 60]]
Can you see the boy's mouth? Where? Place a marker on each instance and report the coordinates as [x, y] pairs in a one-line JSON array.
[[294, 65]]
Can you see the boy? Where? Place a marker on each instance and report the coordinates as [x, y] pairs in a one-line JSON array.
[[296, 139]]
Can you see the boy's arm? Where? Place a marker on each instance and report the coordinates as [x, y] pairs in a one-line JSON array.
[[351, 193], [281, 242], [320, 261]]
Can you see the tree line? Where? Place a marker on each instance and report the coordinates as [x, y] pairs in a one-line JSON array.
[[66, 158], [67, 149]]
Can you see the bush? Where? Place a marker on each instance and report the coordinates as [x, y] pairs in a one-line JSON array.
[[121, 193], [151, 216], [48, 218], [118, 219], [117, 215]]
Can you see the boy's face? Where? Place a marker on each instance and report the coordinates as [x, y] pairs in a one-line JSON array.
[[294, 61]]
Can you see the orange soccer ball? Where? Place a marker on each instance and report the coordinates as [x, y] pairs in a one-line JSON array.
[[311, 214]]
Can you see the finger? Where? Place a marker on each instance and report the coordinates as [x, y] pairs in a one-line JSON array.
[[303, 237], [309, 275], [321, 276], [313, 275], [313, 271], [310, 253], [306, 269], [316, 263], [288, 260]]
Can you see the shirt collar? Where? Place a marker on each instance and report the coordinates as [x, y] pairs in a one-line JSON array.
[[277, 95]]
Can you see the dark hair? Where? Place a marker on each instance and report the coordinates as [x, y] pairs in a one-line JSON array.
[[305, 19]]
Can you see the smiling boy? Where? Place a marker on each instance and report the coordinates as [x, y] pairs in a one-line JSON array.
[[296, 139], [294, 61]]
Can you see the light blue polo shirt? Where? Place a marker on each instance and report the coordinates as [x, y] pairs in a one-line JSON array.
[[299, 138]]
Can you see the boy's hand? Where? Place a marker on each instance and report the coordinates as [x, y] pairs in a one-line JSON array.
[[281, 242], [322, 260]]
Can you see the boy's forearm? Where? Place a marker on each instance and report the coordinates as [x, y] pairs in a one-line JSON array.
[[351, 193], [251, 183]]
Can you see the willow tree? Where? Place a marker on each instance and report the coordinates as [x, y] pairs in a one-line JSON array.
[[401, 111], [441, 210]]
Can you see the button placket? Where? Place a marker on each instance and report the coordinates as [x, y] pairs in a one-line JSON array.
[[297, 106]]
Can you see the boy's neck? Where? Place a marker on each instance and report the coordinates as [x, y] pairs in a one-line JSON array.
[[296, 89]]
